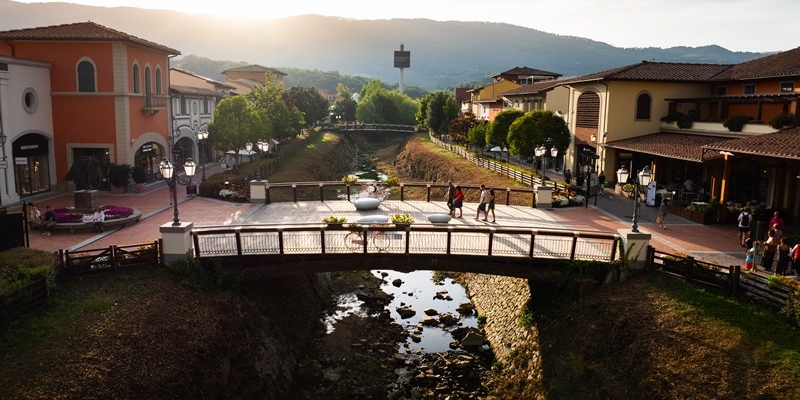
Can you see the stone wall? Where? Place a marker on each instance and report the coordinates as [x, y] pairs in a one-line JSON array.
[[501, 299]]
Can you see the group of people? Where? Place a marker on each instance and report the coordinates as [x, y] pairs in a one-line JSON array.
[[776, 244], [455, 200], [47, 221]]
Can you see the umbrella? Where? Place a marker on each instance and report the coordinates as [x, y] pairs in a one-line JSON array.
[[497, 148]]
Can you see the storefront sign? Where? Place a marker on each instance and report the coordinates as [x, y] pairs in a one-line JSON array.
[[20, 161]]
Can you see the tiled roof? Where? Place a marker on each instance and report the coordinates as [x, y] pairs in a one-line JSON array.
[[80, 32], [656, 72], [533, 88], [194, 90], [527, 71], [688, 147], [254, 68], [208, 80], [783, 64], [782, 144]]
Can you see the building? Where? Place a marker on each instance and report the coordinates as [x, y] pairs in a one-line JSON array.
[[244, 79], [109, 96]]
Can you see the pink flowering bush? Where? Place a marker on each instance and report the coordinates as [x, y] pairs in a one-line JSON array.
[[68, 214]]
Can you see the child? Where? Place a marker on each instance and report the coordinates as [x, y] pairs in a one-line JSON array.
[[750, 257]]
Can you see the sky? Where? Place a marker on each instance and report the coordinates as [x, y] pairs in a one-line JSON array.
[[738, 25]]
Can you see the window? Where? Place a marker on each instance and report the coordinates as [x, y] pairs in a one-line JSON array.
[[787, 87], [158, 80], [588, 110], [749, 89], [206, 106], [147, 82], [30, 101], [86, 78], [184, 106], [722, 90], [643, 103], [137, 88]]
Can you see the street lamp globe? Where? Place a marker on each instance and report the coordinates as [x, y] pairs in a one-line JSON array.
[[622, 175], [249, 147], [645, 176], [166, 168], [554, 152]]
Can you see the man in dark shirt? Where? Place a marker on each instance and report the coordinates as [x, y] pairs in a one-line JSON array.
[[48, 221], [601, 182]]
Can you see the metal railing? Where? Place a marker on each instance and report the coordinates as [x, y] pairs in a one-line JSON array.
[[415, 239]]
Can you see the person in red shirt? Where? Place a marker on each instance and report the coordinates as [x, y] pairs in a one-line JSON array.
[[776, 220]]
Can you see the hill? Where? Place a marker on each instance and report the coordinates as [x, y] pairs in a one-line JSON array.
[[443, 54]]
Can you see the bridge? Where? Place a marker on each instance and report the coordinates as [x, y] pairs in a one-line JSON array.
[[282, 238], [359, 127]]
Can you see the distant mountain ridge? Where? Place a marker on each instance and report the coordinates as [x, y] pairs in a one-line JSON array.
[[443, 54]]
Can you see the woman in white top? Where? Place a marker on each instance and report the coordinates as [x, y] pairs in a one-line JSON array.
[[98, 218]]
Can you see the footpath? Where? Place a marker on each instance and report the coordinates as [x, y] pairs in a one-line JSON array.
[[712, 243]]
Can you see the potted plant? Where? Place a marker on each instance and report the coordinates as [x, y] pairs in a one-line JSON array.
[[401, 220], [333, 220], [139, 176], [119, 175]]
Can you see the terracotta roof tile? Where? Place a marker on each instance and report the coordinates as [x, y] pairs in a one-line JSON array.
[[80, 32], [782, 144], [527, 71], [680, 146], [194, 90], [656, 72], [254, 68], [783, 64], [534, 88]]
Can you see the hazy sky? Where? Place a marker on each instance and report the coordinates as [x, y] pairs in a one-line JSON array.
[[739, 25]]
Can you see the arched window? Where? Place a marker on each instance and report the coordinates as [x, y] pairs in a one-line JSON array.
[[158, 80], [588, 110], [147, 82], [137, 88], [643, 103], [86, 78]]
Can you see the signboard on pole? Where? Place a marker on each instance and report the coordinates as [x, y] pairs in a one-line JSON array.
[[402, 59]]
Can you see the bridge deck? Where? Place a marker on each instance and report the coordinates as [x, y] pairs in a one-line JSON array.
[[314, 211]]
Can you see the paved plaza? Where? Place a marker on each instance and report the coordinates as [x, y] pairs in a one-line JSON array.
[[712, 243]]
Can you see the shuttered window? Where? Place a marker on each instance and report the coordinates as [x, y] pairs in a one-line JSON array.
[[588, 112]]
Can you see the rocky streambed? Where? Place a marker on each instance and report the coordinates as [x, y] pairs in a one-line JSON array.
[[390, 345]]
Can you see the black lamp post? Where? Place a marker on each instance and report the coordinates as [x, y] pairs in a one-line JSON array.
[[643, 179], [172, 179], [202, 136], [3, 138], [554, 154], [540, 152]]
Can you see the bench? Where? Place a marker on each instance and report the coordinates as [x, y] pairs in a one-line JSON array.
[[374, 219]]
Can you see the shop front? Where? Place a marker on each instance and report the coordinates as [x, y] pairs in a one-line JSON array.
[[148, 156], [31, 155]]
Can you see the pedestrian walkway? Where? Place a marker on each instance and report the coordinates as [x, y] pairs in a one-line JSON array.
[[712, 243]]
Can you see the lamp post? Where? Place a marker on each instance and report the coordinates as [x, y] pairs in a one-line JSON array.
[[554, 154], [3, 138], [642, 179], [540, 151], [172, 179], [201, 137]]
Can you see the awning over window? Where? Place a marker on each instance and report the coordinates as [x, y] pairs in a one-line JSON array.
[[687, 147], [782, 144]]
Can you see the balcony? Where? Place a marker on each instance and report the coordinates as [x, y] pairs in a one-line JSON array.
[[154, 103], [716, 128]]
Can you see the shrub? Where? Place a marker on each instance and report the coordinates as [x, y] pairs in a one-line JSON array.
[[119, 175], [138, 174], [403, 218], [332, 219], [736, 122], [781, 120]]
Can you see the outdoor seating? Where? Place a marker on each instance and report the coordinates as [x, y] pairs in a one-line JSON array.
[[374, 219], [367, 203], [439, 218]]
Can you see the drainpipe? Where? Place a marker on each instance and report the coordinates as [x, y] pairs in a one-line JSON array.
[[605, 130]]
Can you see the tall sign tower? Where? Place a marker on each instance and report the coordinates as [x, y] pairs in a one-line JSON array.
[[402, 60]]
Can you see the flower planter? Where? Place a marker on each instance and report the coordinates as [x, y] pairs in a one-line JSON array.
[[117, 189], [139, 187]]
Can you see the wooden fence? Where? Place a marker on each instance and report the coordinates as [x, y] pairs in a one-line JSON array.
[[730, 279], [112, 258]]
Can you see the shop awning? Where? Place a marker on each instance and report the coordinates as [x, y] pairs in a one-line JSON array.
[[687, 147], [783, 144]]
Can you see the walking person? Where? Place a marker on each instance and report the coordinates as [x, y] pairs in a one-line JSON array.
[[481, 203], [451, 194], [490, 206], [750, 257], [744, 226], [661, 218], [601, 182], [770, 246], [458, 201], [783, 257], [568, 176]]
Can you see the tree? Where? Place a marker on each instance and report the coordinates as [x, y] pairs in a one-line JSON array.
[[535, 129], [344, 107], [497, 133], [277, 119], [460, 127], [477, 135], [235, 123], [309, 101], [381, 106], [441, 111]]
